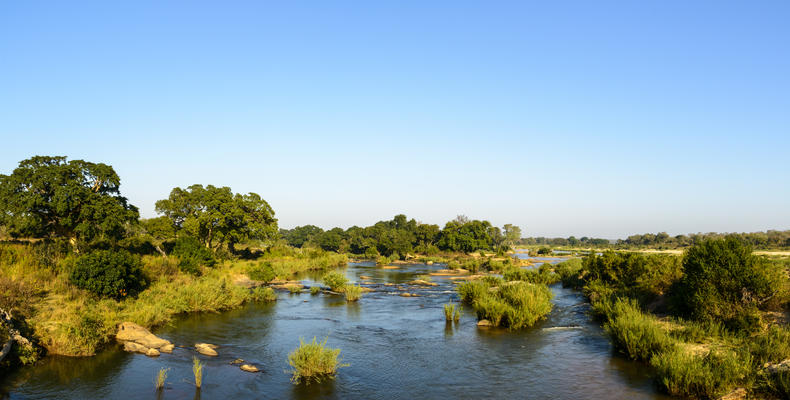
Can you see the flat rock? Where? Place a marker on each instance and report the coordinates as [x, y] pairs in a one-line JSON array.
[[737, 394], [206, 349], [484, 322], [249, 368], [407, 294], [133, 347], [365, 277], [237, 361], [168, 348], [390, 267], [422, 282], [131, 332]]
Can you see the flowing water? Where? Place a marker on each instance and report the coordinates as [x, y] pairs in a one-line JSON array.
[[397, 348]]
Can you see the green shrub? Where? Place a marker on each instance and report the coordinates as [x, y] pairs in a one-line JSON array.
[[353, 292], [192, 255], [108, 273], [514, 305], [261, 271], [636, 334], [544, 251], [711, 376], [542, 276], [315, 290], [471, 290], [261, 293], [569, 272], [313, 362], [724, 281], [335, 280]]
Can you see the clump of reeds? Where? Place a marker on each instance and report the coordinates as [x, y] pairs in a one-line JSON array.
[[353, 292], [161, 376], [197, 369], [314, 362], [452, 313]]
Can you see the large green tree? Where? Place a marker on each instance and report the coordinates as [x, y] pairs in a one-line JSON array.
[[51, 197], [217, 216]]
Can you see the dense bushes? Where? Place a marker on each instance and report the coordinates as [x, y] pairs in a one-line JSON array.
[[635, 333], [335, 280], [262, 271], [108, 273], [724, 281], [192, 255], [314, 362], [514, 304]]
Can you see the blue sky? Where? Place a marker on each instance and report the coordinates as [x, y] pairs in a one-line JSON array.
[[566, 118]]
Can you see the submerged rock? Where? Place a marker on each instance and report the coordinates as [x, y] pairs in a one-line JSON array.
[[249, 368], [237, 361], [206, 349]]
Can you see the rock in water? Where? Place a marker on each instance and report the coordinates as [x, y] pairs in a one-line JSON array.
[[168, 348], [249, 368], [131, 332], [237, 361], [484, 322], [206, 349], [152, 353]]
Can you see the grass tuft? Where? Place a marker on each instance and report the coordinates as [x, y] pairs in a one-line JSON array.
[[313, 362], [197, 370]]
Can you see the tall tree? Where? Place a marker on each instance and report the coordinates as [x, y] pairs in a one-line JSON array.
[[216, 216], [512, 234], [76, 200]]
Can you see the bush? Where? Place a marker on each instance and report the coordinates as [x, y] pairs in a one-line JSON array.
[[353, 292], [514, 305], [634, 333], [569, 272], [313, 362], [192, 255], [263, 294], [544, 251], [471, 290], [107, 273], [262, 271], [542, 276], [335, 280], [711, 376], [724, 281]]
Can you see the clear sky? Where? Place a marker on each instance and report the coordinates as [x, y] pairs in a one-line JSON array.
[[566, 118]]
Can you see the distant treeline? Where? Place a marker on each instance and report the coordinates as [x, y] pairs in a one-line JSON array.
[[401, 236], [771, 239]]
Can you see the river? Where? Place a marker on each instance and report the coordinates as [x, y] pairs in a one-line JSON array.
[[398, 348]]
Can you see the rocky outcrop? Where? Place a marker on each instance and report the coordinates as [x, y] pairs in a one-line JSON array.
[[137, 339], [206, 349]]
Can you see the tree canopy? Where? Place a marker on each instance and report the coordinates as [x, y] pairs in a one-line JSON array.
[[217, 216], [52, 197]]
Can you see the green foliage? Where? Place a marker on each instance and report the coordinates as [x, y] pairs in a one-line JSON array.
[[192, 255], [724, 281], [514, 304], [107, 273], [634, 333], [261, 271], [545, 251], [216, 216], [353, 292], [543, 276], [467, 236], [778, 384], [684, 374], [451, 312], [297, 237], [773, 345], [75, 200], [314, 362], [263, 294], [335, 280], [314, 290], [570, 273]]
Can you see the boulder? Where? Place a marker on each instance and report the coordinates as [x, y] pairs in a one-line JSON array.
[[249, 368], [484, 322], [131, 332], [133, 347], [168, 348], [206, 349], [152, 353]]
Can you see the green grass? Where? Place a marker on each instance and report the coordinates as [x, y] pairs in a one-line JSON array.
[[314, 290], [635, 333], [261, 293], [335, 280], [295, 289], [683, 374], [314, 362], [197, 370], [452, 312], [514, 305], [353, 292], [161, 377]]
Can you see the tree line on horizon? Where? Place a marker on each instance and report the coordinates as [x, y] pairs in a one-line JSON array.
[[771, 239]]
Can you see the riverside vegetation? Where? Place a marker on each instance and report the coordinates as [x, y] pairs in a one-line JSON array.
[[708, 322]]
